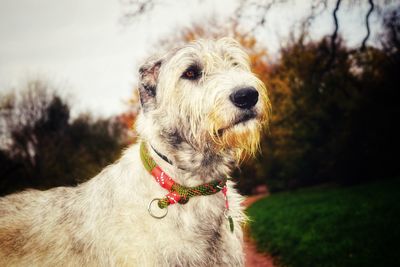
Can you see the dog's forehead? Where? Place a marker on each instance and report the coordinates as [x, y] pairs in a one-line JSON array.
[[225, 49]]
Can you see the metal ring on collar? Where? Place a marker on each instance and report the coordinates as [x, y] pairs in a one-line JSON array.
[[151, 213]]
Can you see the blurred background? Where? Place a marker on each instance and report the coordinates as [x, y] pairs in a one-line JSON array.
[[328, 170]]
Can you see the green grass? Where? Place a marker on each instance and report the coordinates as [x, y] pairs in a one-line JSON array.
[[351, 226]]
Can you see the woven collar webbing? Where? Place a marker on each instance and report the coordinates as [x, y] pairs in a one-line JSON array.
[[177, 193]]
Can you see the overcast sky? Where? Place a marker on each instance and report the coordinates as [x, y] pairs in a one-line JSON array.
[[80, 47]]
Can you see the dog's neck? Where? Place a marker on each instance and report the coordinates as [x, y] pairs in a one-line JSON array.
[[190, 167]]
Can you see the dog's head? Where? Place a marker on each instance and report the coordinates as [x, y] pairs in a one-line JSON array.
[[203, 95]]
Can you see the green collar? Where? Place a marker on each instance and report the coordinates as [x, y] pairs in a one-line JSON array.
[[177, 193]]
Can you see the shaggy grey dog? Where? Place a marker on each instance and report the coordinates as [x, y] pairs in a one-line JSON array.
[[202, 113]]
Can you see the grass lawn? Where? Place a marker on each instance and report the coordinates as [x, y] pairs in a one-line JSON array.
[[342, 226]]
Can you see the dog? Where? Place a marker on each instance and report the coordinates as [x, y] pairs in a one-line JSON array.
[[169, 200]]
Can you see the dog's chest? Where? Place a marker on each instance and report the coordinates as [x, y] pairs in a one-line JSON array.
[[193, 235]]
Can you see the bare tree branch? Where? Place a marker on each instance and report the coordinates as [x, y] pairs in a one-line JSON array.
[[371, 8], [316, 10], [254, 14], [261, 8], [333, 38], [135, 9]]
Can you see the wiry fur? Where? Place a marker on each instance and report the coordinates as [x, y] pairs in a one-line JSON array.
[[104, 222]]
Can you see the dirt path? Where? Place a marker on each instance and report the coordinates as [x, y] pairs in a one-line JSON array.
[[254, 258]]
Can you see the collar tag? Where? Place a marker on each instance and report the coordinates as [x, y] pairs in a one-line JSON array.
[[226, 211]]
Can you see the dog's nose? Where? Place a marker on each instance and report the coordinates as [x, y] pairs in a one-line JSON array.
[[244, 98]]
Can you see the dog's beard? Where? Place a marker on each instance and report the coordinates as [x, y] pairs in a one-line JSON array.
[[241, 135]]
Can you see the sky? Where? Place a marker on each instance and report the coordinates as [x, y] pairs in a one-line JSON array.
[[81, 48]]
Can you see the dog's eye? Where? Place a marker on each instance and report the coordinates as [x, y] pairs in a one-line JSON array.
[[192, 73]]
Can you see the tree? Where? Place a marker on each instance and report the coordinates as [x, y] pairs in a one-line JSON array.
[[43, 147], [31, 120]]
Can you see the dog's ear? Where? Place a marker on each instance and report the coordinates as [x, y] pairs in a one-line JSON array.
[[148, 81]]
